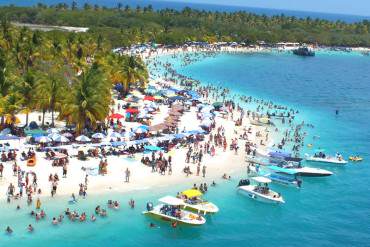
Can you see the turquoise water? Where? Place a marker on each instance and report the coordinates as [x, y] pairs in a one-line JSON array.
[[333, 211]]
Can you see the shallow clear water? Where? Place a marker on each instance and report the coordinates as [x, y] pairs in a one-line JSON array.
[[333, 211]]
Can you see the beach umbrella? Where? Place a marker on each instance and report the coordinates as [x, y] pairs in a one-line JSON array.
[[61, 139], [60, 156], [53, 131], [179, 136], [98, 136], [116, 116], [207, 108], [43, 139], [150, 109], [158, 97], [132, 110], [152, 148], [128, 135], [149, 98], [140, 131], [206, 123], [53, 136], [217, 104], [115, 135], [83, 138], [68, 135]]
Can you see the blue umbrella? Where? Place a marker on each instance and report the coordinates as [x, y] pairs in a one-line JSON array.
[[152, 148], [179, 136]]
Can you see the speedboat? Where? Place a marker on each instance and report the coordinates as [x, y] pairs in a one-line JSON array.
[[259, 190], [326, 159], [287, 177], [170, 210], [302, 171], [192, 200]]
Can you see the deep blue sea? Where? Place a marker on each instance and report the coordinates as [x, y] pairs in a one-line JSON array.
[[332, 211], [157, 4]]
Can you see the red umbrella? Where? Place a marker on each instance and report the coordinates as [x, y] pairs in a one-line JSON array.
[[116, 116], [148, 97], [132, 110]]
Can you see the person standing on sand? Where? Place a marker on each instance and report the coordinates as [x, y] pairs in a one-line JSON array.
[[127, 174], [204, 171], [64, 170], [198, 169], [1, 169]]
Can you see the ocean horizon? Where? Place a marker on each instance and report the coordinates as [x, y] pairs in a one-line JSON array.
[[208, 7]]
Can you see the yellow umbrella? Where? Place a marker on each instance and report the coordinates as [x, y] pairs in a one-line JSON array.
[[191, 193]]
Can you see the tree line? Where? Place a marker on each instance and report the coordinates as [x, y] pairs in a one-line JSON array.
[[72, 74], [124, 25]]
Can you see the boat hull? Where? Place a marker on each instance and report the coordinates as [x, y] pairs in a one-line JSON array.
[[189, 219], [248, 191], [326, 160]]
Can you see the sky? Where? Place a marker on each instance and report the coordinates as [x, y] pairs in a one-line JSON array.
[[351, 7]]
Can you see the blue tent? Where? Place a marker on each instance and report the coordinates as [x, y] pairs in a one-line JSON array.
[[118, 87]]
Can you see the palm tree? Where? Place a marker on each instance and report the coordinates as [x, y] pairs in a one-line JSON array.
[[27, 91], [89, 99], [9, 107], [50, 86], [129, 70], [5, 83]]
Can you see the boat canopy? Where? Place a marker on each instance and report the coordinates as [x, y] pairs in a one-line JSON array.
[[282, 170], [191, 193], [262, 180], [170, 200]]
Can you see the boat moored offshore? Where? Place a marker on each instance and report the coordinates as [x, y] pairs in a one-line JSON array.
[[192, 200], [326, 159], [170, 210], [259, 191]]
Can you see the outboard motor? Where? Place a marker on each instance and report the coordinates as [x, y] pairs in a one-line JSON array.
[[149, 206]]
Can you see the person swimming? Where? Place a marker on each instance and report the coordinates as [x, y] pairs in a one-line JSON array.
[[93, 218], [54, 222], [30, 228], [8, 230]]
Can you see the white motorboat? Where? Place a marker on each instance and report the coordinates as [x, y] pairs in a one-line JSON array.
[[192, 200], [303, 171], [170, 210], [260, 190], [312, 172], [326, 159]]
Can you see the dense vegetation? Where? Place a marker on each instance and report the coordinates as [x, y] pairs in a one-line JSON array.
[[68, 73], [125, 25]]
